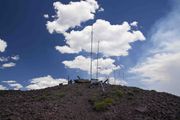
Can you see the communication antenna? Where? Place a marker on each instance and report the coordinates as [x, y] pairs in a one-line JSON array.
[[114, 76], [123, 73], [91, 52], [97, 72], [123, 76]]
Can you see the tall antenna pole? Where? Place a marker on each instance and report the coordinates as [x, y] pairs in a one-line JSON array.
[[97, 72], [91, 53], [123, 76], [114, 77]]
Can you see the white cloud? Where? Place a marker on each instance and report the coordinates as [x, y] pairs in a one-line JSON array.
[[16, 86], [8, 65], [13, 84], [101, 9], [3, 45], [9, 81], [71, 15], [8, 58], [159, 67], [135, 23], [114, 39], [113, 81], [106, 65], [53, 16], [160, 70], [65, 49], [2, 87], [16, 57], [46, 16], [4, 59], [44, 82]]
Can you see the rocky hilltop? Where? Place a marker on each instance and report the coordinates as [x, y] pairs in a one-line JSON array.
[[82, 102]]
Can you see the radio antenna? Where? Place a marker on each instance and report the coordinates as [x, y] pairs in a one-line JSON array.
[[97, 72], [114, 73], [91, 52]]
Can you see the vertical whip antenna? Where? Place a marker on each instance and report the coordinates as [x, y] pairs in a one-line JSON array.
[[114, 73], [91, 52], [123, 76], [97, 72]]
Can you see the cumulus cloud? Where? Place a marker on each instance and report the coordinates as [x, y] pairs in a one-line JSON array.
[[16, 57], [9, 81], [101, 9], [46, 16], [13, 84], [2, 87], [8, 58], [71, 15], [16, 86], [135, 23], [4, 59], [113, 81], [114, 39], [3, 45], [160, 69], [8, 65], [106, 65], [44, 82], [65, 49]]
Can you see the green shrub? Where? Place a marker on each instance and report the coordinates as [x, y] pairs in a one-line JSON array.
[[108, 101], [103, 104], [118, 93], [100, 106]]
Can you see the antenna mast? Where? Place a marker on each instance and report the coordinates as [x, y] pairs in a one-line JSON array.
[[114, 76], [123, 75], [97, 72], [91, 52]]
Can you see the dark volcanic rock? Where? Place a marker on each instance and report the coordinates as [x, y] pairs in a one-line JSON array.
[[79, 102]]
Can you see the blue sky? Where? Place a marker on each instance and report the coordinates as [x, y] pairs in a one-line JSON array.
[[24, 27]]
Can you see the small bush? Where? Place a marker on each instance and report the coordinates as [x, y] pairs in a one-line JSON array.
[[103, 104], [118, 93], [108, 101], [100, 106]]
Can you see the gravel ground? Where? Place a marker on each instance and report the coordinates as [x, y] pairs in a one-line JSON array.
[[79, 102]]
